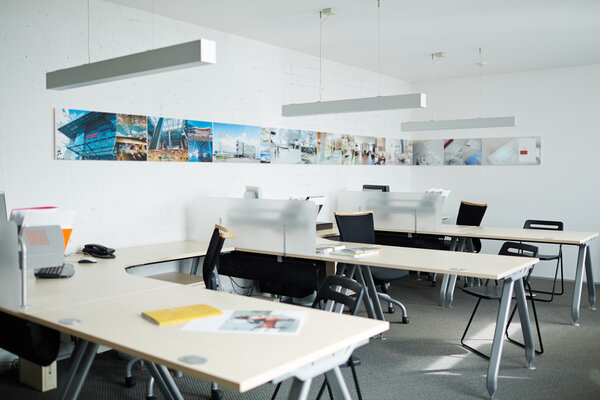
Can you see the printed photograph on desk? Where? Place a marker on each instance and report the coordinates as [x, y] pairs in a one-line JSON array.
[[398, 152], [281, 322], [85, 135], [329, 148], [200, 140], [132, 137], [428, 152], [462, 152], [512, 151], [293, 146], [167, 139], [236, 143]]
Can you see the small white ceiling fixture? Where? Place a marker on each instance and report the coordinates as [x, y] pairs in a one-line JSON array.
[[378, 103], [185, 55], [471, 123]]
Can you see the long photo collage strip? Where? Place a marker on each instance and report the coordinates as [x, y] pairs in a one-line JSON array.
[[93, 135]]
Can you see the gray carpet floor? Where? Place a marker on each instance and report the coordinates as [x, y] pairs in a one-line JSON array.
[[419, 360]]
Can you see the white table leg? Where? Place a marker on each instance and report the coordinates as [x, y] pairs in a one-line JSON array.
[[82, 359], [578, 283], [525, 321], [590, 279]]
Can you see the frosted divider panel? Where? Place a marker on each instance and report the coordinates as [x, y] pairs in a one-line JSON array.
[[286, 226], [396, 210], [10, 277]]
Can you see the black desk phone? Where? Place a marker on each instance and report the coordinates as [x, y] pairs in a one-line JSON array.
[[97, 250]]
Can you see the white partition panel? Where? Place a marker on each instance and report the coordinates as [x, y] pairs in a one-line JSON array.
[[10, 277], [272, 225], [393, 210]]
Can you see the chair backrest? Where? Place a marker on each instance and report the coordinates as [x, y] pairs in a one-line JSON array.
[[331, 288], [518, 249], [356, 226], [545, 225], [470, 213], [211, 259]]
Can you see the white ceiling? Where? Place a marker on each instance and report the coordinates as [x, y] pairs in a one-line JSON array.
[[515, 35]]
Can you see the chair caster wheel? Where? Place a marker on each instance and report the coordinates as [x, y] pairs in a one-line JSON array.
[[391, 309], [216, 394], [405, 320], [129, 381]]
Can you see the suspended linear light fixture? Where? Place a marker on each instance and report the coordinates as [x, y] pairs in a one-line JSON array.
[[378, 103], [433, 125], [185, 55]]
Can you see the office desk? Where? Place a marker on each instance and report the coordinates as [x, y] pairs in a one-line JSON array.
[[511, 270], [108, 302], [461, 234]]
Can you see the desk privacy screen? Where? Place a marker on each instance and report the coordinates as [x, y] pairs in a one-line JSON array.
[[286, 226], [395, 210]]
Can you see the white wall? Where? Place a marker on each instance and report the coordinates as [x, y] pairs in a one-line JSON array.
[[559, 105], [127, 203]]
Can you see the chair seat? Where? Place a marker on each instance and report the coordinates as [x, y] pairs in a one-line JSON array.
[[490, 292], [547, 257], [485, 292], [385, 275]]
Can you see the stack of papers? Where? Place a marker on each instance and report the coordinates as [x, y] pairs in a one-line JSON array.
[[328, 248], [356, 251]]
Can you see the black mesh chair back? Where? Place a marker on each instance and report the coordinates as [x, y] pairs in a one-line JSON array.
[[332, 289], [471, 214], [211, 259], [356, 227], [550, 226], [359, 227]]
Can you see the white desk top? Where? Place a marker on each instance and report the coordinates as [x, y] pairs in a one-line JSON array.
[[515, 234], [116, 322], [486, 266], [109, 302]]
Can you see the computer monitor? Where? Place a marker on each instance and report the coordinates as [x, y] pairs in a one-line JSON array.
[[3, 213], [376, 188], [253, 192]]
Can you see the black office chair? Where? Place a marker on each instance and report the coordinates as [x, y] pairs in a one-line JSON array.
[[359, 227], [336, 292], [550, 226], [495, 293], [210, 275], [471, 214], [29, 340]]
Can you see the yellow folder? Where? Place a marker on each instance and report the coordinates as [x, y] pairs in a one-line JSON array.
[[176, 315]]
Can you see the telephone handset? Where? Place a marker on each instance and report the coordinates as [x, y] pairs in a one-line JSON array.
[[97, 250]]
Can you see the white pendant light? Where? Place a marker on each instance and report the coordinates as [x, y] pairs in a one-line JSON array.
[[363, 104], [185, 55], [470, 123]]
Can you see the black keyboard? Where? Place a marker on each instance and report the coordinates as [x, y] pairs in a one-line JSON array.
[[62, 271]]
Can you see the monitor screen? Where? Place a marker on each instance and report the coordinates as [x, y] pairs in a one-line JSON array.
[[253, 192], [376, 188], [3, 214]]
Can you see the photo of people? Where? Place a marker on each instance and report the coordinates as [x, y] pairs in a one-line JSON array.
[[132, 137]]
